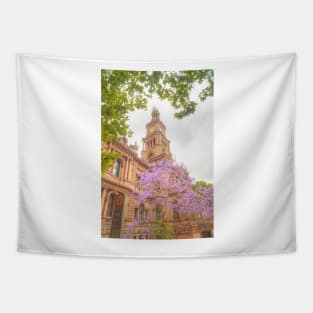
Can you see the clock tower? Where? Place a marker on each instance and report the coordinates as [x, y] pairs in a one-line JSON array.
[[155, 145]]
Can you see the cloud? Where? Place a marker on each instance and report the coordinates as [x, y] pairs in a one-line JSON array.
[[191, 138]]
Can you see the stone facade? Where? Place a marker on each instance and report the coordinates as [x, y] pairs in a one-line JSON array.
[[119, 204]]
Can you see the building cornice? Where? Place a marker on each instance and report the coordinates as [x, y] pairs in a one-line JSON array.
[[126, 150]]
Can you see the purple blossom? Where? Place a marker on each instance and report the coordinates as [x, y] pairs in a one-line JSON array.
[[169, 184]]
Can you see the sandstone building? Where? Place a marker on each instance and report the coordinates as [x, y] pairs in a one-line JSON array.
[[119, 204]]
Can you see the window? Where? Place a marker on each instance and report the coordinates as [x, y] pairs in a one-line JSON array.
[[175, 215], [141, 214], [136, 214], [116, 168], [110, 205], [138, 181], [158, 212]]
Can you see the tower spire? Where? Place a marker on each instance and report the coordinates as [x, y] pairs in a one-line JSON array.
[[155, 145]]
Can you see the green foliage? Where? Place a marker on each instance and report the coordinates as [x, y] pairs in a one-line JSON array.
[[201, 183], [107, 159], [125, 91], [161, 230]]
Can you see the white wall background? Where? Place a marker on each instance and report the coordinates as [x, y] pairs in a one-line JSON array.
[[152, 30]]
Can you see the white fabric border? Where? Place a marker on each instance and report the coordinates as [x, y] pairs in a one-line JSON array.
[[59, 148]]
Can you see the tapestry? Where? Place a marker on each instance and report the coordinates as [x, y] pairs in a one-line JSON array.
[[156, 159]]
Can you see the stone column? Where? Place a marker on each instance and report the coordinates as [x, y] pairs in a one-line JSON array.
[[130, 170], [124, 169], [104, 192], [127, 169], [124, 227]]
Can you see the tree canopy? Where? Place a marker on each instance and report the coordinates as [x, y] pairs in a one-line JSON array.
[[125, 91], [201, 184]]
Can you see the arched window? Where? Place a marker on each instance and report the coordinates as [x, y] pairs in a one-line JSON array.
[[116, 168], [110, 207]]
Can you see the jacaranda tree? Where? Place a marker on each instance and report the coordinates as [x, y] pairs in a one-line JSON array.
[[168, 185], [125, 91]]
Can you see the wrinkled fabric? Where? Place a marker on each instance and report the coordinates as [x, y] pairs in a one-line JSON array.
[[59, 158]]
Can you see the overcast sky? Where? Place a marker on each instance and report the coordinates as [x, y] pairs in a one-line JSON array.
[[191, 137]]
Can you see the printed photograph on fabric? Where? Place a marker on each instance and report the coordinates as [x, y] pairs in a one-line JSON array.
[[157, 154]]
